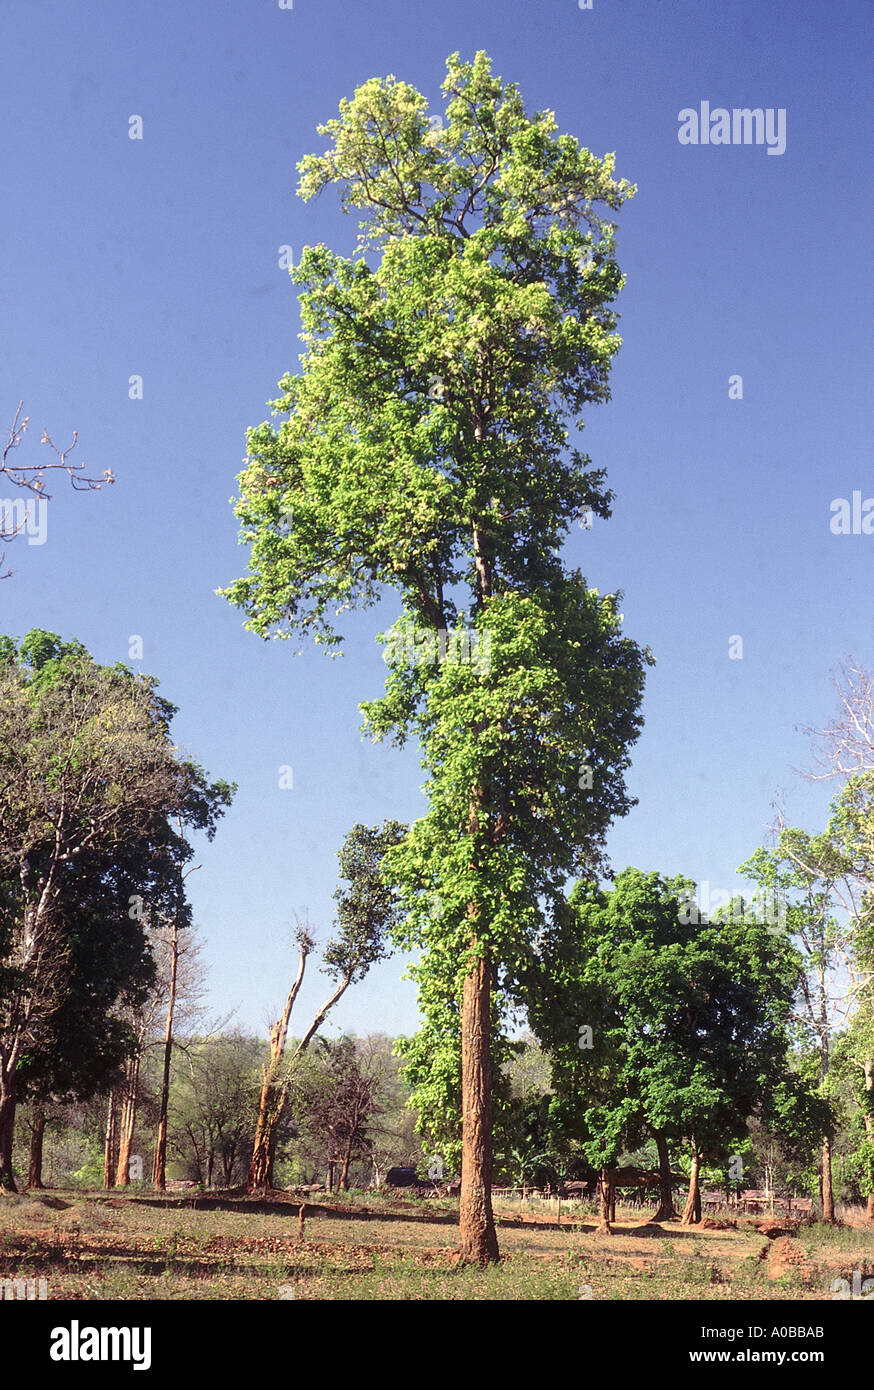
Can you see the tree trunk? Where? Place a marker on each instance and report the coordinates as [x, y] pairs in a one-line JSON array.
[[270, 1107], [826, 1189], [109, 1147], [605, 1202], [344, 1171], [271, 1102], [37, 1134], [159, 1175], [828, 1199], [7, 1126], [479, 1241], [39, 893], [666, 1211], [692, 1210], [128, 1120], [869, 1129]]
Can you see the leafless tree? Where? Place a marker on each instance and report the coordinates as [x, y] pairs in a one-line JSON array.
[[846, 745]]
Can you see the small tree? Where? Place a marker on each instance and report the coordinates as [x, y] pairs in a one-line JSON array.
[[339, 1107], [804, 872], [211, 1121], [685, 1019]]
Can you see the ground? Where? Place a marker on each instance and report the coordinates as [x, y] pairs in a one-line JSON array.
[[360, 1246]]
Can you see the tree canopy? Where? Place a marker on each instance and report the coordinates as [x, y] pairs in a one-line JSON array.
[[94, 804]]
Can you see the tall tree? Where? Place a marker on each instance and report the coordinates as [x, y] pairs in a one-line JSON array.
[[89, 782], [159, 1174], [427, 449]]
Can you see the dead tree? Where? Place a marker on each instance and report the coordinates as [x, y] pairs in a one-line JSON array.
[[273, 1088], [846, 745], [367, 909]]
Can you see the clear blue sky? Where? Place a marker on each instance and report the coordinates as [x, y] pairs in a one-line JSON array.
[[160, 257]]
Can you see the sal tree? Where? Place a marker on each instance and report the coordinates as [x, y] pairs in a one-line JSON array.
[[425, 446]]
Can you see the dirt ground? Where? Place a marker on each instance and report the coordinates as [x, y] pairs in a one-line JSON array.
[[225, 1246]]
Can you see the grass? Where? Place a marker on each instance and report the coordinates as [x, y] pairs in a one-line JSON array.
[[362, 1247]]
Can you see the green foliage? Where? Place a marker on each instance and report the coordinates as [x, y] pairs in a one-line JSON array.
[[424, 446], [94, 806], [368, 907], [688, 1019], [437, 387], [213, 1099]]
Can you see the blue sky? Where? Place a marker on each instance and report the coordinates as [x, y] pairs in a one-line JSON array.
[[159, 257]]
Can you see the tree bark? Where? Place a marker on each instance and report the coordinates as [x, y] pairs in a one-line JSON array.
[[828, 1198], [7, 1125], [826, 1187], [159, 1175], [273, 1093], [109, 1146], [344, 1171], [37, 1134], [605, 1202], [869, 1127], [270, 1106], [127, 1122], [666, 1210], [692, 1210], [479, 1241]]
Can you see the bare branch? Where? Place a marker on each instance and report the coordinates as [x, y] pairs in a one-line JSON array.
[[30, 475], [14, 516], [846, 745]]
